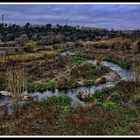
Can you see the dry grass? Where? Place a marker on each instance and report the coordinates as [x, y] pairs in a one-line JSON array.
[[111, 112], [26, 57], [114, 44], [16, 81]]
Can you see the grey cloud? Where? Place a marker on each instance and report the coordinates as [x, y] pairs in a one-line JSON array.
[[103, 15]]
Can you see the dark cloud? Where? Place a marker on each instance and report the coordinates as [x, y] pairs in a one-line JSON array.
[[118, 16]]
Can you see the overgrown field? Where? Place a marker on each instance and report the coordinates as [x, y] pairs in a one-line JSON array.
[[111, 111], [108, 112]]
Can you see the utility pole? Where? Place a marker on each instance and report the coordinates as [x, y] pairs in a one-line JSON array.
[[2, 17], [66, 21]]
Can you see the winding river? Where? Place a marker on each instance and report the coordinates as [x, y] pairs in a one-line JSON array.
[[123, 73]]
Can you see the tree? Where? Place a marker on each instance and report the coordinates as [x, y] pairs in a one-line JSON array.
[[27, 25], [22, 40], [48, 26]]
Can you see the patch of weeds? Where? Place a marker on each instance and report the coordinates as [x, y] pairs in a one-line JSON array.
[[111, 106], [62, 100], [90, 82], [122, 63], [137, 98], [40, 87], [9, 128], [78, 59], [98, 96], [3, 86], [101, 95], [119, 130], [67, 110]]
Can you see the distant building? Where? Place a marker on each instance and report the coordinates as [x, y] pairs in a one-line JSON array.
[[54, 27]]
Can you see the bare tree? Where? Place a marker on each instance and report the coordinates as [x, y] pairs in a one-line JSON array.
[[22, 40]]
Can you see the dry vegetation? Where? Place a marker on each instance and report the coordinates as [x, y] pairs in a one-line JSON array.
[[112, 111]]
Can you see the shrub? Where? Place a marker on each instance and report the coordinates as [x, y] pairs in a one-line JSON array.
[[103, 80], [88, 44], [30, 46]]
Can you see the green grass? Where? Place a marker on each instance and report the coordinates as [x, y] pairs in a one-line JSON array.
[[105, 115], [121, 62], [40, 87], [98, 96], [62, 100], [122, 100], [78, 59]]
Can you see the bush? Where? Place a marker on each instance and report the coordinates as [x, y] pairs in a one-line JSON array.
[[87, 44], [103, 80], [30, 46], [114, 43]]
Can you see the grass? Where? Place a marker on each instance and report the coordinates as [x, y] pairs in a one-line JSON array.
[[26, 57], [81, 74], [78, 59], [123, 100], [113, 111], [121, 62], [107, 113], [41, 118], [40, 87], [98, 96]]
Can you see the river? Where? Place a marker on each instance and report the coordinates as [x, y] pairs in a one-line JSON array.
[[123, 73]]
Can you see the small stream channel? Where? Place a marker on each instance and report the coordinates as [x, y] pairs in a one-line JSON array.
[[123, 73]]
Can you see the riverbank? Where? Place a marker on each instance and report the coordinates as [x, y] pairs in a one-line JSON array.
[[112, 111], [49, 89], [103, 108]]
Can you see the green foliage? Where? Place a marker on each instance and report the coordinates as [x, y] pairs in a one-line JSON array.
[[62, 100], [79, 60], [67, 110], [32, 87], [119, 130], [2, 86], [121, 62], [98, 96], [137, 98], [101, 95], [90, 82], [112, 106], [8, 127]]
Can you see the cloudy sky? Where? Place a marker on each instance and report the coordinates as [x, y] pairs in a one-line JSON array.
[[93, 15]]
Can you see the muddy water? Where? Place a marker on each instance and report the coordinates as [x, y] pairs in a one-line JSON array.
[[123, 73]]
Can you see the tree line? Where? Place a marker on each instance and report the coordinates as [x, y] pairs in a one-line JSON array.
[[48, 34]]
